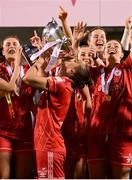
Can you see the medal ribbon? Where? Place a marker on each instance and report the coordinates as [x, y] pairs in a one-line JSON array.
[[7, 94], [10, 105], [105, 84], [10, 71]]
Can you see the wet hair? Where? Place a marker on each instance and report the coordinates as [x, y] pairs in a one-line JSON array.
[[12, 36], [81, 77]]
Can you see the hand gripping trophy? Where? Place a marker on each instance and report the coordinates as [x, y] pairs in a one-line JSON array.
[[55, 39]]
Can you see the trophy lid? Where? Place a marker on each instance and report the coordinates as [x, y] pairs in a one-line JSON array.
[[52, 31]]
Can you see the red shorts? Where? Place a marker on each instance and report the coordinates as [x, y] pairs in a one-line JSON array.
[[50, 164], [121, 149], [8, 144], [117, 149]]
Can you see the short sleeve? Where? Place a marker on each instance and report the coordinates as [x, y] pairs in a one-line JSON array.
[[59, 84]]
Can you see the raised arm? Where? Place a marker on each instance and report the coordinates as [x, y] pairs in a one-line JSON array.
[[36, 41], [126, 34], [79, 33], [34, 79], [5, 86], [64, 21], [130, 40]]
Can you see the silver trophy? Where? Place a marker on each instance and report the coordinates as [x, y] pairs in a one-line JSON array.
[[56, 40], [53, 32]]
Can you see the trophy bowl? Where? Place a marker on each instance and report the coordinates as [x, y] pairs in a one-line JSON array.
[[53, 32], [54, 38]]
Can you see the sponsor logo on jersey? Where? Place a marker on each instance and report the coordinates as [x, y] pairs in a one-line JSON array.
[[117, 72]]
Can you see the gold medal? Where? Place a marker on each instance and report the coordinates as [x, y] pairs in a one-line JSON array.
[[108, 98], [10, 105], [8, 98]]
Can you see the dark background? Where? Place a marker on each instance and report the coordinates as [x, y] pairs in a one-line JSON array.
[[24, 33]]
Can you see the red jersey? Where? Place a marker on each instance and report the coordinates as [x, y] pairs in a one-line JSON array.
[[115, 114], [52, 110], [75, 116], [19, 126]]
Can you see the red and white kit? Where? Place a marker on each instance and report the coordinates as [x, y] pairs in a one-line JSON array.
[[17, 129], [49, 143], [111, 118]]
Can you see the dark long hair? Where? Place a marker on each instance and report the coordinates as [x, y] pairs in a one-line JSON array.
[[11, 36], [93, 29]]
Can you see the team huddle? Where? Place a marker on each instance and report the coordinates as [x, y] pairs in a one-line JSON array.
[[74, 121]]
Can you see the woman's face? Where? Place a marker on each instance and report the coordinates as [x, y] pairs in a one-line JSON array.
[[83, 55], [113, 49], [10, 47], [98, 39]]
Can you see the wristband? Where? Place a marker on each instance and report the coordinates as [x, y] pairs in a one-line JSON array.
[[95, 58]]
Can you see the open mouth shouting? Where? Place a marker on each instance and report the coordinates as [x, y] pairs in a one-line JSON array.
[[11, 51], [100, 44], [112, 51]]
